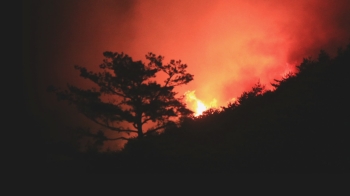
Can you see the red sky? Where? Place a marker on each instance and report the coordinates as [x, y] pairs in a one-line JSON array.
[[228, 45]]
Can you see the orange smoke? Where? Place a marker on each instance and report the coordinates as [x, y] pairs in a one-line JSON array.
[[229, 45]]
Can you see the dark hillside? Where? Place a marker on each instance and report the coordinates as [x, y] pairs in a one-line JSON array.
[[302, 126]]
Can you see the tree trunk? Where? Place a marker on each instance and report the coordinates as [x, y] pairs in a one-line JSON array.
[[139, 119], [139, 130], [139, 126]]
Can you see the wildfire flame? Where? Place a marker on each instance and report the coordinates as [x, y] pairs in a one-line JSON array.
[[196, 104]]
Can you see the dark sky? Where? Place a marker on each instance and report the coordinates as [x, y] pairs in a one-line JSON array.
[[228, 45]]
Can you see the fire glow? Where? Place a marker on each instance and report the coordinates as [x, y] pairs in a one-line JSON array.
[[197, 105], [227, 45]]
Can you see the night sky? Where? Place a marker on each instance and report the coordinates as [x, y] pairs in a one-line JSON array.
[[228, 45]]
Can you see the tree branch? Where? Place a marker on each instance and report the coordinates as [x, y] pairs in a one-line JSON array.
[[115, 92], [146, 120], [150, 131], [119, 138], [111, 128]]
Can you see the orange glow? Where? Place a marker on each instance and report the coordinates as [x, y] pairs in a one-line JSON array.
[[228, 45], [196, 104]]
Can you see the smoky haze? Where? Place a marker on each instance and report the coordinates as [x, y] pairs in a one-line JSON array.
[[228, 45]]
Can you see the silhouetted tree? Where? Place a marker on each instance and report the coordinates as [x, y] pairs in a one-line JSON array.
[[128, 92], [257, 90]]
